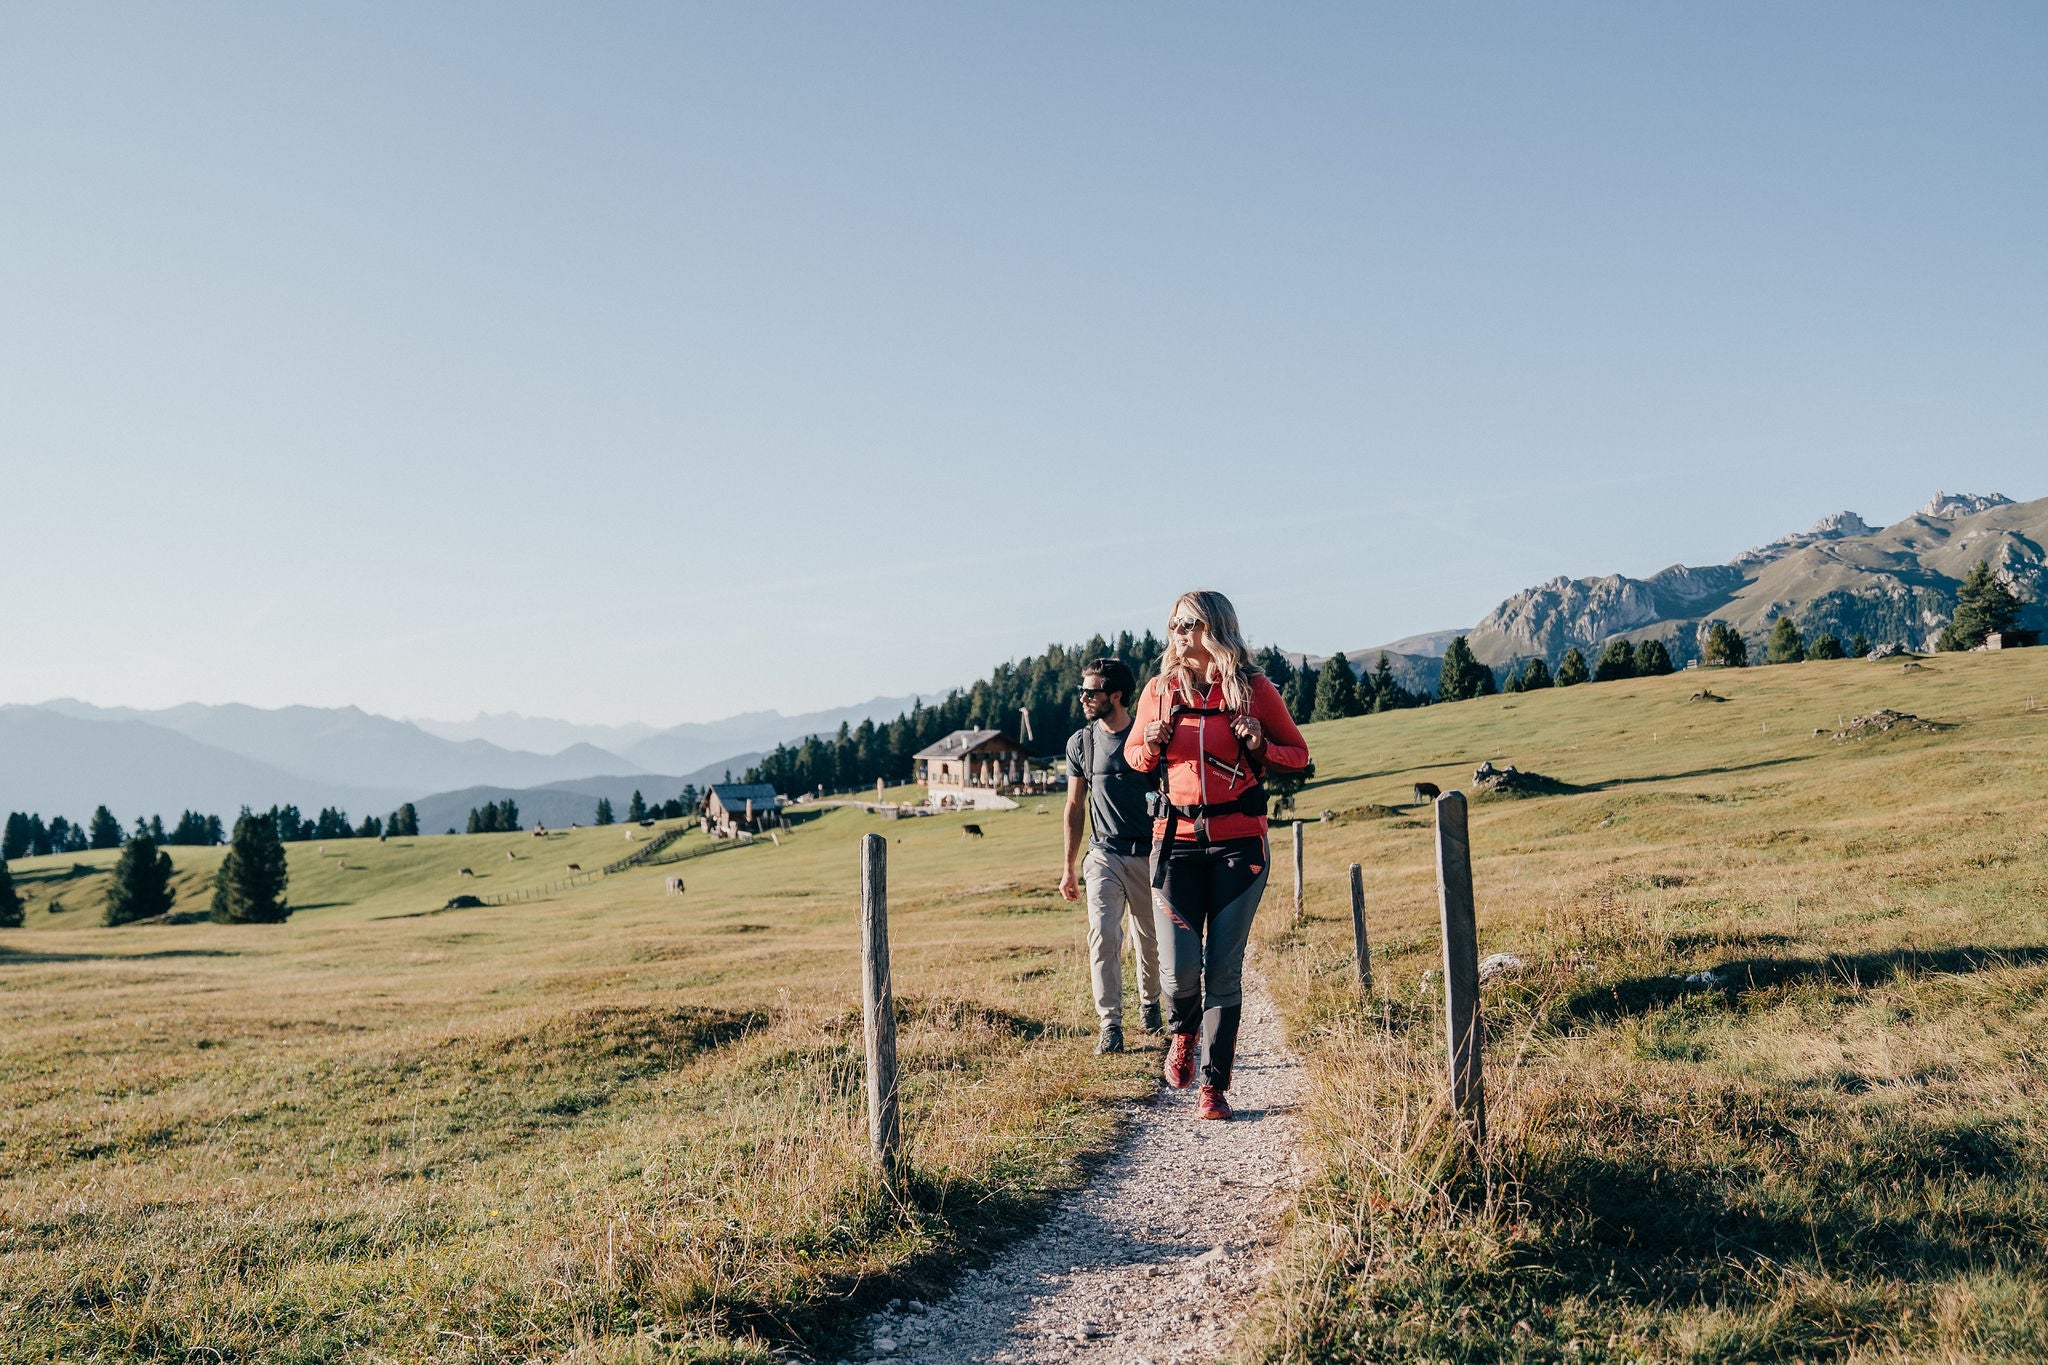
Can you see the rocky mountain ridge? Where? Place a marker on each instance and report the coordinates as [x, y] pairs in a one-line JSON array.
[[1893, 584]]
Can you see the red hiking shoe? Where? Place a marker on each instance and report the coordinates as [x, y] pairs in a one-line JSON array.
[[1180, 1061], [1212, 1105]]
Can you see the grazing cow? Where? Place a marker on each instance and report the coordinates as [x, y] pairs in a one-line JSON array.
[[575, 867], [510, 856], [675, 886], [465, 873], [1426, 791], [341, 864], [970, 831]]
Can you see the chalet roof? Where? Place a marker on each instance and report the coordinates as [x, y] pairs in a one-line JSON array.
[[735, 795], [958, 743]]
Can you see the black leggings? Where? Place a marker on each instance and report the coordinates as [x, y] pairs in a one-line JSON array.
[[1204, 914]]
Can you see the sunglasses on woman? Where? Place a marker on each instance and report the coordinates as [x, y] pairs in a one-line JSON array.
[[1184, 626]]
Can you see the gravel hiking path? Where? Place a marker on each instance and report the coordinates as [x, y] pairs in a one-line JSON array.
[[1156, 1260]]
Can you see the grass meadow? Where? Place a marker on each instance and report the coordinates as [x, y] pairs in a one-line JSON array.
[[611, 1124], [1838, 1150]]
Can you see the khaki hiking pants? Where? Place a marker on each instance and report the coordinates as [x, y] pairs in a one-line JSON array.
[[1119, 885]]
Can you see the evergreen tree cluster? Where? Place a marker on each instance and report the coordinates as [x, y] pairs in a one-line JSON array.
[[142, 883], [250, 886], [26, 835], [1620, 659], [494, 817], [1464, 677], [1724, 646], [1985, 606], [1335, 690], [1047, 686]]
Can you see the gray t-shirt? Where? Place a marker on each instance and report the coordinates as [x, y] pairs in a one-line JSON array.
[[1116, 790]]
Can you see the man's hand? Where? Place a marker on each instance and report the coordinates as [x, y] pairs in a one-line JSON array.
[[1070, 885]]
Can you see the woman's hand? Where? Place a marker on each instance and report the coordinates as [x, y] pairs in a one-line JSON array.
[[1250, 732], [1155, 736]]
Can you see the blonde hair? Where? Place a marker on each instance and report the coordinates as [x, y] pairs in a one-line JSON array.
[[1223, 640]]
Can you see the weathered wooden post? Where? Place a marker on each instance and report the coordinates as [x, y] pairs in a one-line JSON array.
[[878, 1001], [1358, 934], [1461, 958], [1297, 871]]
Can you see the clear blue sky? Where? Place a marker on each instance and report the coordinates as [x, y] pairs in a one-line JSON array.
[[659, 362]]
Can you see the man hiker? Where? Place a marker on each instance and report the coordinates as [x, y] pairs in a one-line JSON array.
[[1118, 868]]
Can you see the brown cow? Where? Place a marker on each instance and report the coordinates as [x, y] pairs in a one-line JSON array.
[[1426, 791]]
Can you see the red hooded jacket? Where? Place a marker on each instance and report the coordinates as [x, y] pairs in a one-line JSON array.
[[1205, 762]]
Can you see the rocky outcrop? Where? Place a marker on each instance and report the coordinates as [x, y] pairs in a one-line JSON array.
[[1838, 526], [1950, 506]]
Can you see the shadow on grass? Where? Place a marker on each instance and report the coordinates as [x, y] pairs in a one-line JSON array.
[[1745, 976], [29, 956], [1722, 771]]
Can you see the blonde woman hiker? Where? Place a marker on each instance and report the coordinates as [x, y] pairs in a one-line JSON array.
[[1215, 725], [1117, 869]]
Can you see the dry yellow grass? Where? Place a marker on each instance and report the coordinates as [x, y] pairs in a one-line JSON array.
[[1838, 1153], [610, 1124], [618, 1125]]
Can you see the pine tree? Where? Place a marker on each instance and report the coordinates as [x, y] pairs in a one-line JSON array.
[[1653, 659], [1786, 645], [1273, 664], [604, 810], [1571, 669], [1617, 661], [1824, 647], [1300, 692], [142, 883], [1725, 647], [1859, 647], [508, 815], [106, 830], [1985, 606], [1387, 695], [10, 900], [38, 837], [1535, 676], [14, 843], [404, 822], [1336, 690], [250, 886], [1462, 674], [636, 809]]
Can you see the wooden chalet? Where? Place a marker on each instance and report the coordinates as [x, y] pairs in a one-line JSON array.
[[973, 768], [729, 809]]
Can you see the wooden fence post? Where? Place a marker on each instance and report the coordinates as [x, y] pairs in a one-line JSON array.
[[1461, 958], [878, 1001], [1358, 934], [1297, 871]]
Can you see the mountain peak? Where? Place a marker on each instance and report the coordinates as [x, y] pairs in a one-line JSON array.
[[1949, 506], [1841, 524]]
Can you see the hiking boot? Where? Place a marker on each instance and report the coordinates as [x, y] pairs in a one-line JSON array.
[[1112, 1039], [1148, 1017], [1211, 1104], [1180, 1061]]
